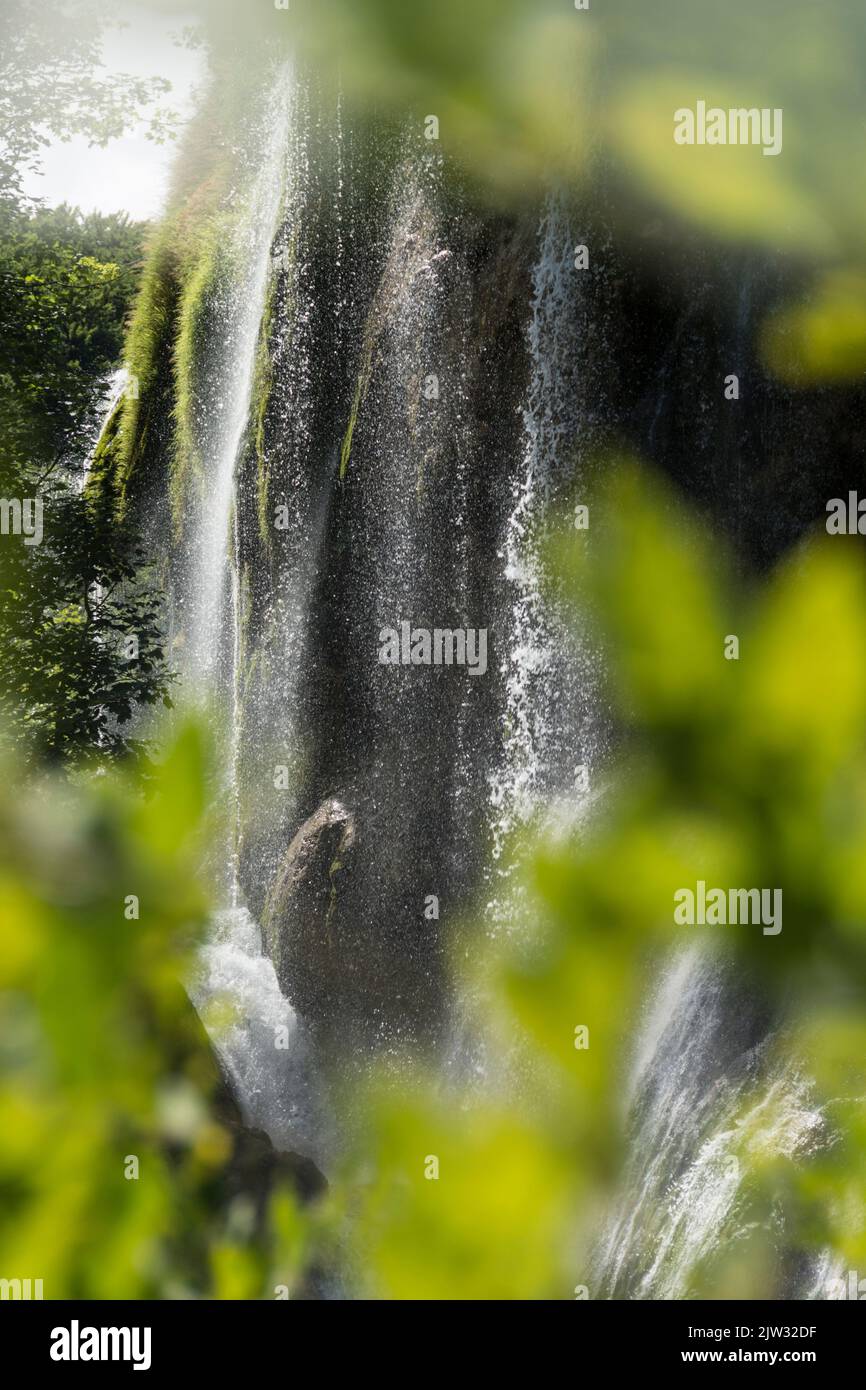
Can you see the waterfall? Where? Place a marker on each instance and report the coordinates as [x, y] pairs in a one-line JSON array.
[[701, 1088], [550, 677], [702, 1099], [228, 376], [552, 737], [289, 483], [411, 435], [262, 1044], [373, 473]]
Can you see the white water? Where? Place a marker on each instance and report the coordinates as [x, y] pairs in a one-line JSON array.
[[699, 1104], [690, 1122], [408, 303], [539, 675], [258, 1036], [702, 1103], [231, 370]]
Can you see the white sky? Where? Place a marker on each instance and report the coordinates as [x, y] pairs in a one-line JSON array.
[[130, 174]]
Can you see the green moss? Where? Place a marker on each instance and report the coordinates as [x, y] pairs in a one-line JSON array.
[[189, 349], [104, 471], [361, 389], [149, 441], [124, 443], [141, 456]]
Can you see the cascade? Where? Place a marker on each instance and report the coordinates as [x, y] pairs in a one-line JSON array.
[[227, 380], [549, 678], [112, 390], [702, 1097], [369, 528]]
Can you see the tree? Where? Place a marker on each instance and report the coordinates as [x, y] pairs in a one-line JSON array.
[[51, 86], [79, 626], [82, 636], [66, 282]]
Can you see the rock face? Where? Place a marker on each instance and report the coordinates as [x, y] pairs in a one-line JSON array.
[[305, 922]]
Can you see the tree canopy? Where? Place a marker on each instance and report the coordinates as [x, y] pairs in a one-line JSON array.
[[52, 85]]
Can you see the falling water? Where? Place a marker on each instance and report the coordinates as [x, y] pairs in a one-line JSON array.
[[552, 736], [702, 1095], [549, 677], [239, 311], [263, 1045], [230, 372], [407, 447], [703, 1100], [298, 468], [260, 1040], [701, 1089]]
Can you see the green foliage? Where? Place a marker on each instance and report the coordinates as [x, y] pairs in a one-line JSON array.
[[79, 629], [104, 1058], [82, 634], [535, 90], [495, 1222], [509, 82], [67, 282], [739, 772], [822, 339], [756, 778], [531, 92]]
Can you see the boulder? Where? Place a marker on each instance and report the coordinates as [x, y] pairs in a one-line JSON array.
[[304, 924]]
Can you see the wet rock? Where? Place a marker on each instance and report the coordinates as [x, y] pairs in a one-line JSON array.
[[344, 925], [256, 1167], [305, 927]]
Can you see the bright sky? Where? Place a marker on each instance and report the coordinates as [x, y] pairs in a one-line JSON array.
[[130, 174]]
